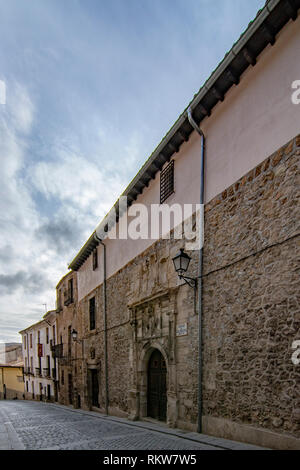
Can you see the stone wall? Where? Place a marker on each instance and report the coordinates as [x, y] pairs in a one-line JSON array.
[[251, 297], [68, 364], [250, 313], [144, 304]]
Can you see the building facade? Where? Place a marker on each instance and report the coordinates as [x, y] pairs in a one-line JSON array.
[[40, 368], [66, 349], [136, 340], [11, 353], [139, 323]]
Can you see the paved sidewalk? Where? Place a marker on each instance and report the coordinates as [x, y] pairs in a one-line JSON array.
[[9, 439], [217, 442], [37, 425]]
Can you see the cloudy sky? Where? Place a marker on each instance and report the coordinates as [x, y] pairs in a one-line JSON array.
[[91, 88]]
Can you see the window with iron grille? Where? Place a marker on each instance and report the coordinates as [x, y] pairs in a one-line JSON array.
[[92, 305], [167, 181]]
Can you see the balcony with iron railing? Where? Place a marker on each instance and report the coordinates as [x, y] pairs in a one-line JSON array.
[[65, 361], [68, 301], [68, 297], [59, 309], [46, 372], [38, 371], [28, 371], [57, 351]]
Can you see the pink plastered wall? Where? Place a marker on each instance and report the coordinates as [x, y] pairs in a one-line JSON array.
[[256, 118]]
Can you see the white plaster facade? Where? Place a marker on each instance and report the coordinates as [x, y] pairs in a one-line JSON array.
[[40, 369]]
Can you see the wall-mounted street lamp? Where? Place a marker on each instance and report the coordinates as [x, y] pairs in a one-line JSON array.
[[181, 263], [75, 336]]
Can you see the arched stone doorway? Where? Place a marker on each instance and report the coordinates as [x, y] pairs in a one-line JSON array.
[[157, 387], [153, 324]]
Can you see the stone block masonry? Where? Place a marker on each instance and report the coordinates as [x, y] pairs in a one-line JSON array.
[[251, 297], [251, 316]]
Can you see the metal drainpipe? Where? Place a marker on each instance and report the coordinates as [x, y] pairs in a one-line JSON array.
[[28, 362], [105, 322], [3, 384], [200, 269]]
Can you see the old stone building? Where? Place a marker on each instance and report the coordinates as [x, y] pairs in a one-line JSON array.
[[251, 317], [138, 322], [129, 328], [11, 353]]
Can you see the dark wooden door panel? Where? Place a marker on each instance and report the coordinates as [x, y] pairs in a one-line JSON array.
[[95, 388], [157, 387]]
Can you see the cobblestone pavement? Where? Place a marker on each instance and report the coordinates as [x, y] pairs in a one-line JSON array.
[[37, 425]]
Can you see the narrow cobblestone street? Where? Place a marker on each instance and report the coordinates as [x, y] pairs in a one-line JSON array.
[[33, 425]]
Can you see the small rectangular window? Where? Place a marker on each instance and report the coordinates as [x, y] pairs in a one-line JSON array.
[[95, 259], [167, 181], [31, 340], [69, 340], [70, 289], [47, 335], [92, 308], [59, 304]]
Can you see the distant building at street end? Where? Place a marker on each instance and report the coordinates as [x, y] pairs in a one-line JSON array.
[[214, 355], [11, 382], [11, 353]]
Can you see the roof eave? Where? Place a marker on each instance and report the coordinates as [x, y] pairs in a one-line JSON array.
[[208, 92]]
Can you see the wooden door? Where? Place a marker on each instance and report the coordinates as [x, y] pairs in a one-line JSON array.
[[95, 387], [70, 388]]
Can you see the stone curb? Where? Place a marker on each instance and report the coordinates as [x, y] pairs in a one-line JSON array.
[[217, 442]]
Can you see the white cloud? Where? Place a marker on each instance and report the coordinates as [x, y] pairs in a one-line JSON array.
[[100, 108], [24, 284], [34, 246], [88, 185]]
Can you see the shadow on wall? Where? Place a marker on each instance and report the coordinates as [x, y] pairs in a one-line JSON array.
[[11, 394]]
